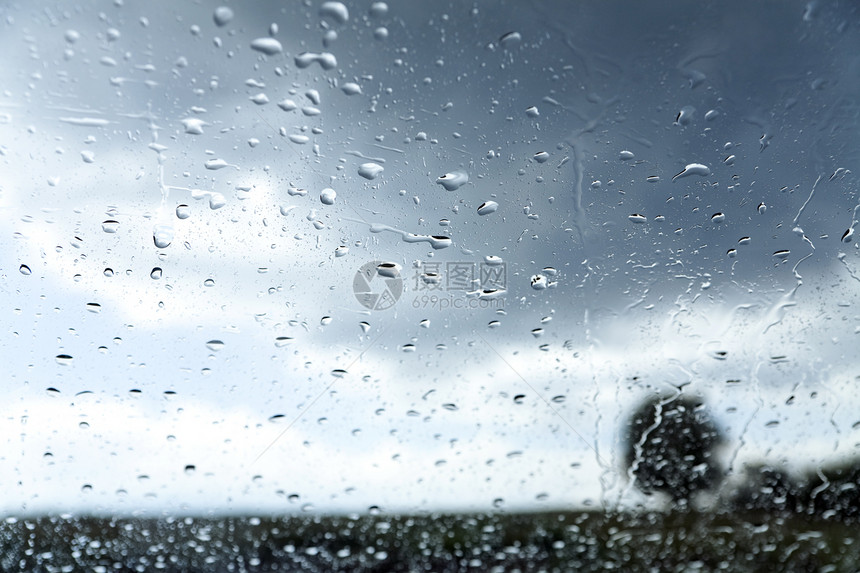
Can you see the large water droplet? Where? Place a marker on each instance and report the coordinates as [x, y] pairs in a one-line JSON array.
[[693, 169], [282, 341], [637, 218], [215, 345], [25, 270], [351, 88], [268, 46], [183, 211], [388, 270], [541, 156], [327, 196], [454, 180], [110, 226], [155, 273], [370, 170], [162, 236], [64, 359], [848, 235], [222, 16], [337, 11], [539, 282], [487, 207]]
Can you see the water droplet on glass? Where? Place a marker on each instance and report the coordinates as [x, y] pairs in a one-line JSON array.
[[718, 218], [155, 274], [685, 116], [744, 241], [693, 169], [637, 218], [337, 11], [626, 155], [94, 307], [510, 40], [408, 348], [532, 111], [183, 211], [493, 260], [351, 88], [732, 253], [487, 207], [341, 251], [108, 272], [327, 196], [209, 283], [25, 270], [782, 254], [63, 359], [762, 208], [537, 332], [541, 156], [454, 180], [259, 99], [848, 235], [282, 341], [338, 372], [215, 345], [190, 469], [267, 46], [88, 156], [370, 170], [162, 236], [388, 270], [222, 16], [539, 282], [110, 226], [216, 201], [365, 326], [287, 105]]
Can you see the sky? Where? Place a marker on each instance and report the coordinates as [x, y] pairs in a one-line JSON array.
[[660, 195]]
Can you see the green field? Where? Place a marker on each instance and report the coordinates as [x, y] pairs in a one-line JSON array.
[[577, 541]]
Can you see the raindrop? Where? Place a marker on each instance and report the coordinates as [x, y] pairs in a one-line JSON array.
[[493, 260], [718, 218], [782, 254], [732, 253], [193, 125], [183, 211], [744, 241], [762, 208], [539, 282], [341, 251], [190, 469], [537, 332], [388, 270], [94, 307], [325, 320], [64, 359], [155, 274], [626, 155], [25, 270], [559, 399], [209, 283], [108, 272], [454, 180], [408, 348], [267, 46], [162, 236], [222, 16], [440, 242], [637, 218], [693, 169], [424, 323], [88, 156], [487, 207], [327, 196], [282, 341], [685, 116], [848, 235], [216, 164], [653, 179], [215, 345], [370, 170], [541, 156], [338, 372], [216, 201], [450, 407], [498, 502], [351, 88], [259, 99], [287, 105], [532, 111], [337, 11], [510, 40], [365, 326]]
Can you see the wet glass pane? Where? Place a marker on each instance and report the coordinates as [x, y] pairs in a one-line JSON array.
[[429, 285]]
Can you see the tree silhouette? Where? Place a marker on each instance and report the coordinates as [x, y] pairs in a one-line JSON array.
[[670, 446]]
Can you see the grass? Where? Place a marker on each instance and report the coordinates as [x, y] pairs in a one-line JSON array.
[[576, 541]]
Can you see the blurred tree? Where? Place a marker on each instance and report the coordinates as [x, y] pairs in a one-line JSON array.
[[833, 491], [670, 445], [768, 489]]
